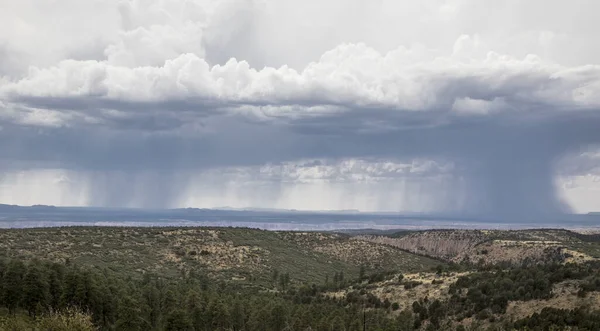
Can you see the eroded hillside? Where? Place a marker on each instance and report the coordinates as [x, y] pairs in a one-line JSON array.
[[491, 247]]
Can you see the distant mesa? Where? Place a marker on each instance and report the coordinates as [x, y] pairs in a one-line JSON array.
[[43, 206], [9, 208], [192, 210]]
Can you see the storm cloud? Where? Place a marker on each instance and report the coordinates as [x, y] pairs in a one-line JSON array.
[[193, 102]]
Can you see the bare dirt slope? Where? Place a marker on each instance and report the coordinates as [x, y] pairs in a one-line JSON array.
[[495, 246]]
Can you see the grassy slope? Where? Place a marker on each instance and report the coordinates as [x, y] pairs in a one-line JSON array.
[[225, 253]]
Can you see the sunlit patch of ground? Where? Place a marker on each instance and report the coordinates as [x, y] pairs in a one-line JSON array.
[[433, 286], [565, 297]]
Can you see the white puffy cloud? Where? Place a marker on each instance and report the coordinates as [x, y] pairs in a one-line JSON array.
[[291, 32], [142, 35], [350, 76], [432, 55]]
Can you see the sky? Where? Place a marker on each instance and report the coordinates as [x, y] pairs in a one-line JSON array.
[[437, 106]]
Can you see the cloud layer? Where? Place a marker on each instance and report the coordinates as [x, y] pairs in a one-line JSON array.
[[177, 89], [348, 77]]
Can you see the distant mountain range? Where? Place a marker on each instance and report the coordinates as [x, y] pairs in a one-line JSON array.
[[98, 213], [13, 216]]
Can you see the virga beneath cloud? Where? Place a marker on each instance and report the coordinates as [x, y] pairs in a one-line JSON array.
[[180, 89]]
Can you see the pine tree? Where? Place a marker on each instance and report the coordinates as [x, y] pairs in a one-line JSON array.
[[129, 315], [151, 304], [169, 301], [278, 317], [219, 315], [258, 318], [87, 296], [178, 320], [238, 317], [192, 300], [3, 267], [13, 285], [70, 288], [55, 286], [35, 291], [284, 280], [200, 316], [108, 307], [337, 324]]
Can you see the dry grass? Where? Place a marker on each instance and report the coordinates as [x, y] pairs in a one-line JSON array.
[[395, 291]]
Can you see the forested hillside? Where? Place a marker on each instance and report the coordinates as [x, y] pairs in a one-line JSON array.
[[58, 286]]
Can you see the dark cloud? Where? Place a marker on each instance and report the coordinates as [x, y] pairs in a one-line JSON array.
[[152, 92], [506, 161]]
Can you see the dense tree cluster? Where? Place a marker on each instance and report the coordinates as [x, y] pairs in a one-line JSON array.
[[191, 302], [485, 296], [491, 291], [38, 292], [590, 285], [560, 319]]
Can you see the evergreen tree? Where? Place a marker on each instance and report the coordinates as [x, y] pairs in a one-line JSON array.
[[356, 325], [13, 285], [284, 280], [258, 319], [70, 288], [337, 324], [178, 320], [192, 300], [238, 316], [87, 296], [200, 316], [219, 315], [169, 301], [35, 291], [278, 318], [108, 307], [130, 315], [151, 304], [55, 285], [3, 267]]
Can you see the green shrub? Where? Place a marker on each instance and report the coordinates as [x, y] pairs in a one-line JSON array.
[[69, 320]]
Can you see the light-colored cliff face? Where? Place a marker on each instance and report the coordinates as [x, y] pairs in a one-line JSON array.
[[447, 245], [486, 247]]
